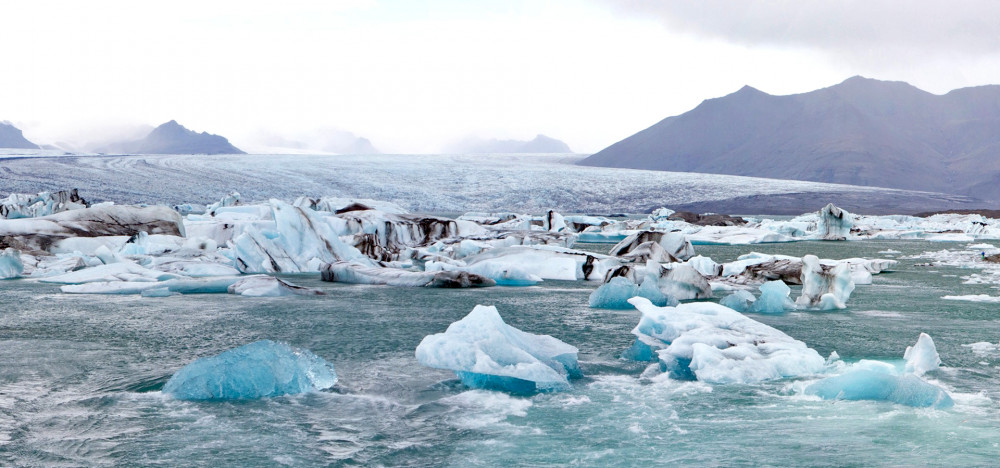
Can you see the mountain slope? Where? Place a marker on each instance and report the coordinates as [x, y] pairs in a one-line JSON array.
[[173, 138], [11, 137], [861, 132], [540, 144]]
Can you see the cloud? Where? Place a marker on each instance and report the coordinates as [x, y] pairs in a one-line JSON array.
[[861, 31]]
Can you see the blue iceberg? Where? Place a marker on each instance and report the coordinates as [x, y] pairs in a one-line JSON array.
[[881, 385], [739, 301], [258, 370], [484, 352], [615, 294], [774, 298]]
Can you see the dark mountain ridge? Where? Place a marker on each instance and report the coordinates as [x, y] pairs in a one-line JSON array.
[[861, 132], [174, 138], [11, 137]]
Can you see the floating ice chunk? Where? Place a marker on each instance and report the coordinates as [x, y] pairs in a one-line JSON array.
[[922, 357], [615, 294], [825, 288], [675, 243], [973, 298], [261, 285], [684, 283], [705, 265], [708, 342], [300, 240], [834, 223], [124, 271], [740, 300], [554, 222], [11, 265], [258, 370], [774, 298], [346, 272], [211, 285], [547, 262], [484, 352], [503, 275], [23, 205], [881, 384]]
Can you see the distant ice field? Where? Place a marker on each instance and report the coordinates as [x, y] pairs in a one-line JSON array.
[[424, 183]]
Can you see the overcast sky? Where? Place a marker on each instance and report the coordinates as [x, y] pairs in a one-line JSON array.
[[415, 75]]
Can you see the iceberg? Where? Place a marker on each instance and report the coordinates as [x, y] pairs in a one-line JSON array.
[[258, 370], [683, 282], [346, 272], [615, 294], [774, 298], [484, 352], [503, 275], [43, 232], [22, 205], [299, 240], [871, 381], [823, 287], [269, 286], [11, 265], [740, 300], [834, 223], [922, 357], [675, 243], [712, 343]]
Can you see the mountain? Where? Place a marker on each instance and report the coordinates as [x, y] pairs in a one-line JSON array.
[[11, 137], [317, 141], [173, 138], [540, 144], [861, 131]]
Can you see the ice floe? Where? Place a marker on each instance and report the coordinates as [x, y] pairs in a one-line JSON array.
[[715, 344], [484, 352]]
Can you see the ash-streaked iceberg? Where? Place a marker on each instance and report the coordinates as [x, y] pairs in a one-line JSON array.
[[258, 370], [346, 272], [823, 287], [712, 343], [484, 352]]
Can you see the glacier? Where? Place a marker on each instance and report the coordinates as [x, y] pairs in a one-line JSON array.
[[261, 369], [484, 352]]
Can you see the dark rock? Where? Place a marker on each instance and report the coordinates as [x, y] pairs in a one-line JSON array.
[[707, 219]]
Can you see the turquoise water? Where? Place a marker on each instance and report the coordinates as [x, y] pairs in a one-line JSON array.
[[80, 379]]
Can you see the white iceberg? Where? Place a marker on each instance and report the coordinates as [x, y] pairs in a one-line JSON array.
[[484, 352], [708, 342], [922, 357]]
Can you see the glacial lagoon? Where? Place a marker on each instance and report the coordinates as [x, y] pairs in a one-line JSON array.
[[80, 379]]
